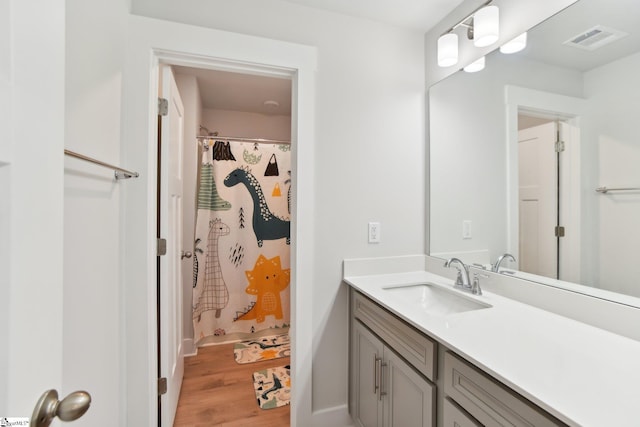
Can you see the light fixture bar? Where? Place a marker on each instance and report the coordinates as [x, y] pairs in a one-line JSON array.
[[462, 22]]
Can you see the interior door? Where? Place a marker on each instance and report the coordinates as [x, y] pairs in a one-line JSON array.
[[31, 212], [171, 349], [538, 200]]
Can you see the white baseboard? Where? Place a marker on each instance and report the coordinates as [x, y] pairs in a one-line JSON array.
[[189, 347], [338, 416]]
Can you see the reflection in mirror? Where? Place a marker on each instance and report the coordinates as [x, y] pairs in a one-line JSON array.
[[518, 150]]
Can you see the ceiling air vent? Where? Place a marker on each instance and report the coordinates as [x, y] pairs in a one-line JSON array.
[[595, 37]]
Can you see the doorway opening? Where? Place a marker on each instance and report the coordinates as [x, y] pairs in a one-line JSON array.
[[527, 108], [539, 195], [548, 185], [228, 120]]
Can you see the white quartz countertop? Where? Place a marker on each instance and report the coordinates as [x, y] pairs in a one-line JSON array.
[[583, 375]]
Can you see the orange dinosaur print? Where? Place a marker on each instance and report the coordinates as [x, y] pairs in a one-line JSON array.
[[266, 281], [270, 354]]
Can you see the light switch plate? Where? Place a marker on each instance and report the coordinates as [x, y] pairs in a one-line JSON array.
[[466, 229]]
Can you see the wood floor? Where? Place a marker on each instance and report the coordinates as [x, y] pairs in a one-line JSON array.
[[217, 391]]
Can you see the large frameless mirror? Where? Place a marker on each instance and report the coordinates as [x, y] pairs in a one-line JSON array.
[[538, 155]]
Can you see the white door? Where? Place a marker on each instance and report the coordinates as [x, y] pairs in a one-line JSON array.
[[171, 350], [537, 200], [31, 210], [570, 206]]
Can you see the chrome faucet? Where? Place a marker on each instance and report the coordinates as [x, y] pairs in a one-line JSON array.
[[496, 267], [462, 281]]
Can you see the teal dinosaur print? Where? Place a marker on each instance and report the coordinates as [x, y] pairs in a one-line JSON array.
[[266, 225], [208, 197]]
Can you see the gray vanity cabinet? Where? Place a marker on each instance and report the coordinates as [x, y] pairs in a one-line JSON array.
[[385, 390], [393, 369]]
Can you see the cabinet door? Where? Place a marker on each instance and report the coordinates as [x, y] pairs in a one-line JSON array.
[[409, 399], [366, 365]]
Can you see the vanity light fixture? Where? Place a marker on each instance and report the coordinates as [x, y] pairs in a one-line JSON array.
[[448, 50], [486, 26], [475, 66], [482, 27], [515, 45]]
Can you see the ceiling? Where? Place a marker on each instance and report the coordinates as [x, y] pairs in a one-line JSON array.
[[241, 92], [419, 15], [545, 42]]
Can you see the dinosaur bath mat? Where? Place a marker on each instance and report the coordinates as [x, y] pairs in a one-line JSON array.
[[273, 387], [265, 348]]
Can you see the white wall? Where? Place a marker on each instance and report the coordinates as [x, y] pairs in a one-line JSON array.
[[93, 311], [247, 125], [611, 140], [468, 149], [190, 94], [369, 156]]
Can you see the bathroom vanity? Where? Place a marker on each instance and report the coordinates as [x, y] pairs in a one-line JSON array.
[[556, 341], [425, 354]]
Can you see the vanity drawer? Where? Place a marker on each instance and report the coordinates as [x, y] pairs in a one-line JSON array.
[[453, 416], [408, 342], [487, 400]]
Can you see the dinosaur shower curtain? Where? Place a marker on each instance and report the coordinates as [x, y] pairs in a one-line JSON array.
[[241, 256]]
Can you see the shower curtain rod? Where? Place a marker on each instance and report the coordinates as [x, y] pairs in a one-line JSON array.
[[234, 138]]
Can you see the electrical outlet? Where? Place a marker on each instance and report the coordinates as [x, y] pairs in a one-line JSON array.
[[374, 232]]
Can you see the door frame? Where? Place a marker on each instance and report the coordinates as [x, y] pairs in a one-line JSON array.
[[154, 42], [566, 109]]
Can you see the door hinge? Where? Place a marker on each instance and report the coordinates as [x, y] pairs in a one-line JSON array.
[[163, 106], [161, 247], [162, 386], [559, 146], [559, 231]]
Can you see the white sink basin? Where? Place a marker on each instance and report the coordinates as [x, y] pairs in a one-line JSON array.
[[435, 300]]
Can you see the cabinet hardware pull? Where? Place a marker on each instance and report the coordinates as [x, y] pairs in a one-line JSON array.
[[376, 361], [375, 374], [382, 392]]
